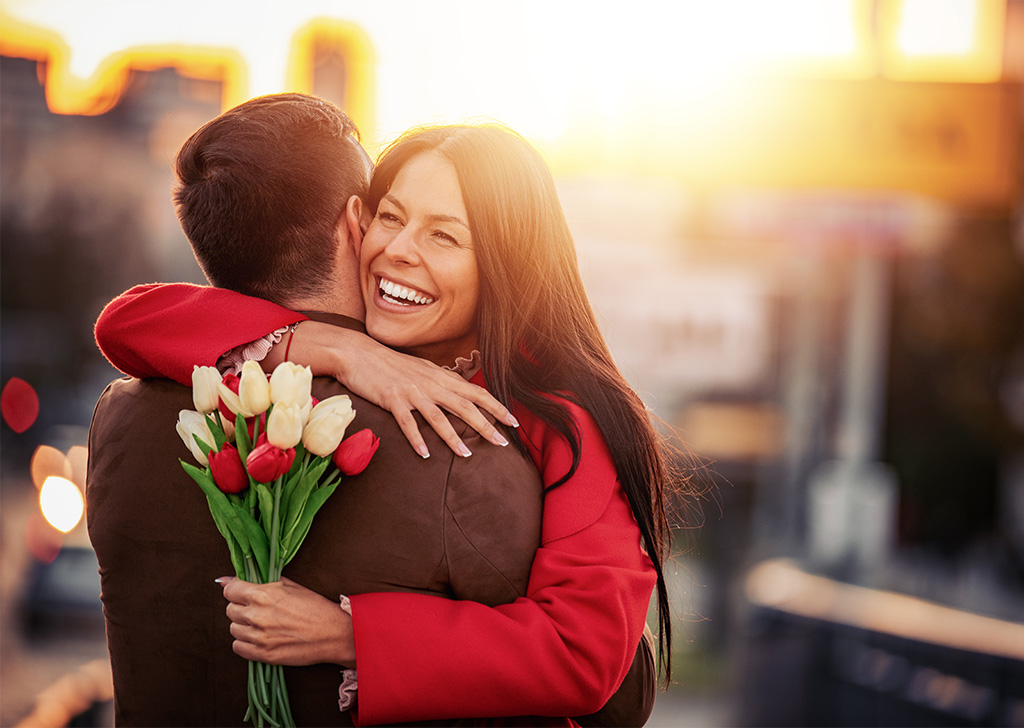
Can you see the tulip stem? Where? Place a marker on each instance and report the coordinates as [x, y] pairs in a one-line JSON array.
[[275, 570]]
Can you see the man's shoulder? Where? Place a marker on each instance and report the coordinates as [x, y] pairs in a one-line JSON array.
[[141, 395], [130, 387]]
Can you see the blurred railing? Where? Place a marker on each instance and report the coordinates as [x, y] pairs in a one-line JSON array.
[[820, 652]]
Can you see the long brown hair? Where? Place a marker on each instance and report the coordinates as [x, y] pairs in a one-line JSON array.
[[537, 332]]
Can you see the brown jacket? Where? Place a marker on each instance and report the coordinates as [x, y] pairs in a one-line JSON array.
[[405, 524]]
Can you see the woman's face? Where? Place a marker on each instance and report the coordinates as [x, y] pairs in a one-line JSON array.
[[417, 265]]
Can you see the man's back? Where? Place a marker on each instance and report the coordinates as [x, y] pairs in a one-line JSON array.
[[405, 524]]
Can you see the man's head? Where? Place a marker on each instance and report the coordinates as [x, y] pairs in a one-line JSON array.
[[262, 191]]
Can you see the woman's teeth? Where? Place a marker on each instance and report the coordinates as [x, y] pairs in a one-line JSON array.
[[394, 293]]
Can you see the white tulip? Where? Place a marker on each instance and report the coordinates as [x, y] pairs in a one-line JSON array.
[[192, 423], [340, 402], [323, 434], [233, 402], [291, 383], [253, 388], [284, 426], [204, 388]]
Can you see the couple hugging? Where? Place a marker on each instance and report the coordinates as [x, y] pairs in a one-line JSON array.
[[490, 567]]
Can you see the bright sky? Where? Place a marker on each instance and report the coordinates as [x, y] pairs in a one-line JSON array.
[[572, 76]]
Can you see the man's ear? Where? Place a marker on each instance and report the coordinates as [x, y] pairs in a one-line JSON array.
[[357, 218]]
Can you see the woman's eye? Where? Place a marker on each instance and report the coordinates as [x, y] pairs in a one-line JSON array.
[[388, 218], [445, 238]]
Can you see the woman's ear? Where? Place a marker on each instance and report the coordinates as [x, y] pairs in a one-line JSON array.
[[357, 219]]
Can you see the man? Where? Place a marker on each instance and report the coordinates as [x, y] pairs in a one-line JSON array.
[[263, 201]]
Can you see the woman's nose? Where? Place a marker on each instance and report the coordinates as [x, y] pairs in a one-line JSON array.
[[403, 248]]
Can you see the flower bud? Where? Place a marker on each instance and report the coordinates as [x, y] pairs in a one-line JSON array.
[[227, 469], [290, 384], [253, 389], [193, 423], [327, 424], [266, 462], [204, 388], [230, 403], [284, 426], [339, 402], [322, 434], [354, 453]]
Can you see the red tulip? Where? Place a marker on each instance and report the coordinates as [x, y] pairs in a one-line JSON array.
[[227, 470], [232, 382], [266, 463], [354, 453], [250, 425]]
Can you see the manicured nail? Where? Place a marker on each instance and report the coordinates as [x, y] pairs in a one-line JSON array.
[[499, 439], [222, 580], [423, 451], [463, 450], [511, 421]]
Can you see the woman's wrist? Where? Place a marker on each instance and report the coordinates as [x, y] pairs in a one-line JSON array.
[[319, 346]]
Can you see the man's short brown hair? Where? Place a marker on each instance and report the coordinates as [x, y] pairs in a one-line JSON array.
[[261, 190]]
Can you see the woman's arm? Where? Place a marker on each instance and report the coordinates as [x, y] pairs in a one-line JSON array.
[[397, 382], [562, 650], [163, 330]]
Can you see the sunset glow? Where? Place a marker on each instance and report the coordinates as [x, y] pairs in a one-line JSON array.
[[691, 88]]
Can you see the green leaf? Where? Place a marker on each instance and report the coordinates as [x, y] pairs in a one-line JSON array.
[[219, 504], [237, 557], [257, 540], [218, 434], [242, 437], [316, 499], [203, 446], [223, 512], [297, 500], [266, 503]]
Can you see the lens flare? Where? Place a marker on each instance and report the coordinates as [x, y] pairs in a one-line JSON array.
[[61, 503]]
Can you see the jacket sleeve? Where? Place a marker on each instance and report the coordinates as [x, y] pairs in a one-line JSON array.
[[560, 651], [164, 329]]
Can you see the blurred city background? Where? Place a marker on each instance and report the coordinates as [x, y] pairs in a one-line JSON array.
[[800, 223]]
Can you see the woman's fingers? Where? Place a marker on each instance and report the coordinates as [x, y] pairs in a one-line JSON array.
[[443, 427], [483, 399], [472, 416], [407, 424]]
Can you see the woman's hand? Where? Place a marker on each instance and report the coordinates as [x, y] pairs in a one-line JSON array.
[[397, 382], [286, 624]]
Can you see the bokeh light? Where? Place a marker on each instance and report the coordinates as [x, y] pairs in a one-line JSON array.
[[48, 461], [62, 503], [19, 404]]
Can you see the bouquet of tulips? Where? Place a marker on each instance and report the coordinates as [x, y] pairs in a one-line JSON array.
[[265, 447]]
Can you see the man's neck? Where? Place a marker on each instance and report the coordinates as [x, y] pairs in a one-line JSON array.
[[343, 305]]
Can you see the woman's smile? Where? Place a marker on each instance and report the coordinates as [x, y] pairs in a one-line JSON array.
[[399, 295], [418, 267]]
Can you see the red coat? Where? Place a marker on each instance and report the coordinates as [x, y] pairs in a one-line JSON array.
[[562, 650]]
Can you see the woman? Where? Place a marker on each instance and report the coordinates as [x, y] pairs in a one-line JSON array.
[[469, 251]]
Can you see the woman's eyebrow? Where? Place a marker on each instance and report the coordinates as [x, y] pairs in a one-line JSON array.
[[448, 218], [433, 217]]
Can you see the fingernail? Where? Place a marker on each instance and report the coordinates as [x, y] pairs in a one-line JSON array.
[[463, 450], [423, 451], [499, 439], [512, 421], [222, 580]]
